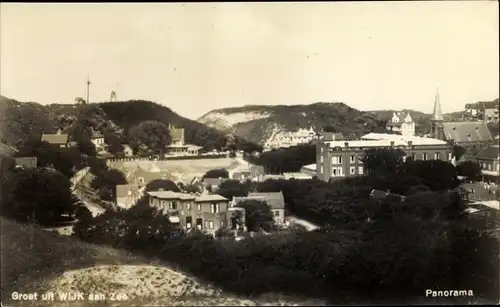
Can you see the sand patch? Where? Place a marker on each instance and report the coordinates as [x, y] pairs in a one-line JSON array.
[[148, 284]]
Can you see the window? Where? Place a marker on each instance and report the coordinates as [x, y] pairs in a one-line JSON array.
[[360, 160], [199, 223], [334, 171], [276, 213], [334, 160], [352, 170], [360, 170], [424, 156], [321, 159], [189, 221], [449, 156], [436, 156], [188, 206], [321, 169], [339, 171], [173, 205], [352, 159], [206, 224], [211, 224], [413, 156], [214, 208], [129, 193], [198, 207], [340, 159]]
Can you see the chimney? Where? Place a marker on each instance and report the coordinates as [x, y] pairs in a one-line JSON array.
[[410, 143], [346, 144], [392, 143]]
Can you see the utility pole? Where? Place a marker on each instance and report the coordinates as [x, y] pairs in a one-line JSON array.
[[88, 88]]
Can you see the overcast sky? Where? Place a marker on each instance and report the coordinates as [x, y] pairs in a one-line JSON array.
[[197, 57]]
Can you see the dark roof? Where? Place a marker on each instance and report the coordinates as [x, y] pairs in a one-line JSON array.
[[6, 150], [274, 199], [27, 162], [470, 131], [96, 135], [57, 139], [489, 153]]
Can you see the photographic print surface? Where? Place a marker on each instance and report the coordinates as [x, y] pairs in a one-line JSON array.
[[249, 154]]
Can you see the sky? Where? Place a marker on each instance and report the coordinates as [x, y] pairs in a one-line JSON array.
[[197, 57]]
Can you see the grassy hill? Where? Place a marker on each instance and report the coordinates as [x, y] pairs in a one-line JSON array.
[[259, 123], [34, 260], [20, 121]]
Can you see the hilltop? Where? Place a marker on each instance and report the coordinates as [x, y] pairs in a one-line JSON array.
[[22, 120], [259, 123]]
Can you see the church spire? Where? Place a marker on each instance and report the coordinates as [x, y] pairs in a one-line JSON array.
[[437, 115]]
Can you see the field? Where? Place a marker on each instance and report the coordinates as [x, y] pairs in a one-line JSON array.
[[34, 260], [182, 170]]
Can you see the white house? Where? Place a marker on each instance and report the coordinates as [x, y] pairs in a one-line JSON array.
[[402, 123]]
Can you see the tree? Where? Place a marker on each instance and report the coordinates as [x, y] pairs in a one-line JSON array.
[[382, 160], [114, 143], [140, 228], [258, 215], [151, 135], [217, 173], [287, 159], [436, 174], [39, 195], [329, 128], [469, 169], [165, 184], [106, 181], [65, 160], [458, 152], [233, 188]]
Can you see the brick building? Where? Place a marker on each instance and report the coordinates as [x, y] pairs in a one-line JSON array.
[[207, 212], [339, 159]]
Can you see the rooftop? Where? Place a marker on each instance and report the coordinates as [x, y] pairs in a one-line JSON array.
[[403, 139], [274, 199], [490, 153], [122, 190], [58, 139], [28, 162], [467, 131], [185, 196], [7, 150]]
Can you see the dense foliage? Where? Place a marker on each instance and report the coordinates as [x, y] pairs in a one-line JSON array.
[[105, 182], [258, 215], [233, 188], [285, 159], [150, 136], [216, 173], [128, 114], [36, 195], [163, 184], [406, 248], [469, 169], [382, 160]]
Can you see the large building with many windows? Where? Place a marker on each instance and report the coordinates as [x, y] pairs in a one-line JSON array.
[[206, 212], [339, 159]]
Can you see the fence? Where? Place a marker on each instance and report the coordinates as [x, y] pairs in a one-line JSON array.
[[198, 157]]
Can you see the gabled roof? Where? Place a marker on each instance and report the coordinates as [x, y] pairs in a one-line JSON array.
[[488, 104], [56, 139], [399, 118], [27, 162], [274, 199], [171, 195], [489, 153], [467, 131]]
